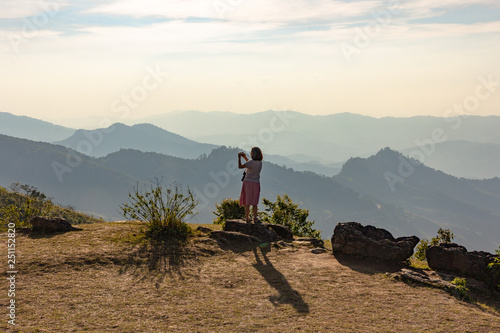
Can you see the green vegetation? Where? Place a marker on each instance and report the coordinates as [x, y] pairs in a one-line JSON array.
[[228, 209], [494, 267], [287, 213], [443, 236], [461, 290], [163, 209], [24, 202]]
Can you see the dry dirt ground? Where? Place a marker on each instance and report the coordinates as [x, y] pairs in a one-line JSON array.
[[98, 280]]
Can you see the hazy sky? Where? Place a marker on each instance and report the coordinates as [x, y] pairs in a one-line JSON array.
[[130, 59]]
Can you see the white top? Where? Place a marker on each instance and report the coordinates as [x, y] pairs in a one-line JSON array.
[[253, 169]]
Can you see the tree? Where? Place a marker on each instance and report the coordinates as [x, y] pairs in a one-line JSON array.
[[443, 236], [287, 213]]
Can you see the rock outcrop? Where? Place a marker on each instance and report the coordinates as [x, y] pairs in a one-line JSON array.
[[455, 258], [50, 224], [352, 238], [259, 230]]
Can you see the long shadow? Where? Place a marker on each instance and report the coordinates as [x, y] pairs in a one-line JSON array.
[[287, 295], [161, 258]]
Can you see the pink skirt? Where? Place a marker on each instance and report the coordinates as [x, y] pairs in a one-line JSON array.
[[250, 192]]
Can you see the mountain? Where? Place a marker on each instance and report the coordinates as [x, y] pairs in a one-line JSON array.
[[144, 137], [32, 129], [386, 190], [461, 158], [332, 138], [67, 176], [468, 208], [100, 185]]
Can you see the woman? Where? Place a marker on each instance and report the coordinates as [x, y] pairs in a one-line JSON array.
[[250, 191]]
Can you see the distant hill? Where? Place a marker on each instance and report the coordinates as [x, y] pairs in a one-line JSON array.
[[67, 176], [462, 158], [144, 137], [468, 208], [33, 129], [332, 138]]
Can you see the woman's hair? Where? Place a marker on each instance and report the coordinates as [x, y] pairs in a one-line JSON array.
[[256, 154]]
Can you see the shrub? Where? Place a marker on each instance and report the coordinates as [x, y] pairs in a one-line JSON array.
[[27, 203], [421, 249], [443, 236], [228, 209], [287, 213], [494, 268], [461, 290], [163, 209]]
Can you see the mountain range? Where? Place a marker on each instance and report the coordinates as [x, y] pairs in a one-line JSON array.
[[466, 146], [145, 137], [418, 203]]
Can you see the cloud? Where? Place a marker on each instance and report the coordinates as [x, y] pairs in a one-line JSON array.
[[12, 9], [240, 10]]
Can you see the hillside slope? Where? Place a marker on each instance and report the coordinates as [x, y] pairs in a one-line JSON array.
[[144, 137], [464, 206], [69, 177], [32, 129], [466, 159], [97, 280]]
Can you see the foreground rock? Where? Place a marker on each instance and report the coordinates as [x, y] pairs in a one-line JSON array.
[[51, 224], [352, 238], [432, 280], [455, 258], [259, 230]]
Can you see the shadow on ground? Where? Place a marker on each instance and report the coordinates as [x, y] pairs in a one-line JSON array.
[[367, 265], [160, 258], [287, 295]]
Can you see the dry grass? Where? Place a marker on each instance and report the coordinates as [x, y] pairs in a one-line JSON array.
[[101, 280]]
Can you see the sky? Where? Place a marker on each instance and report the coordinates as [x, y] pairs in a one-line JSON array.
[[63, 60]]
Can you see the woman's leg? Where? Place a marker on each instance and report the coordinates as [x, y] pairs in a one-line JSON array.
[[247, 213], [255, 218]]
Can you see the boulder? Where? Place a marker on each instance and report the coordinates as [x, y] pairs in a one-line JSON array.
[[455, 258], [352, 238], [282, 231], [51, 224], [259, 230]]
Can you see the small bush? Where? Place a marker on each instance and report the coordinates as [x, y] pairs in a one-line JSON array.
[[494, 268], [461, 290], [443, 236], [163, 209], [228, 209], [287, 213]]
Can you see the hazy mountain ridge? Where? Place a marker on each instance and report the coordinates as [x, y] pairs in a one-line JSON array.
[[466, 146], [33, 129], [69, 177], [448, 201], [338, 137], [144, 137], [462, 158]]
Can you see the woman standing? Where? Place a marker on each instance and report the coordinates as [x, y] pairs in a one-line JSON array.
[[250, 191]]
